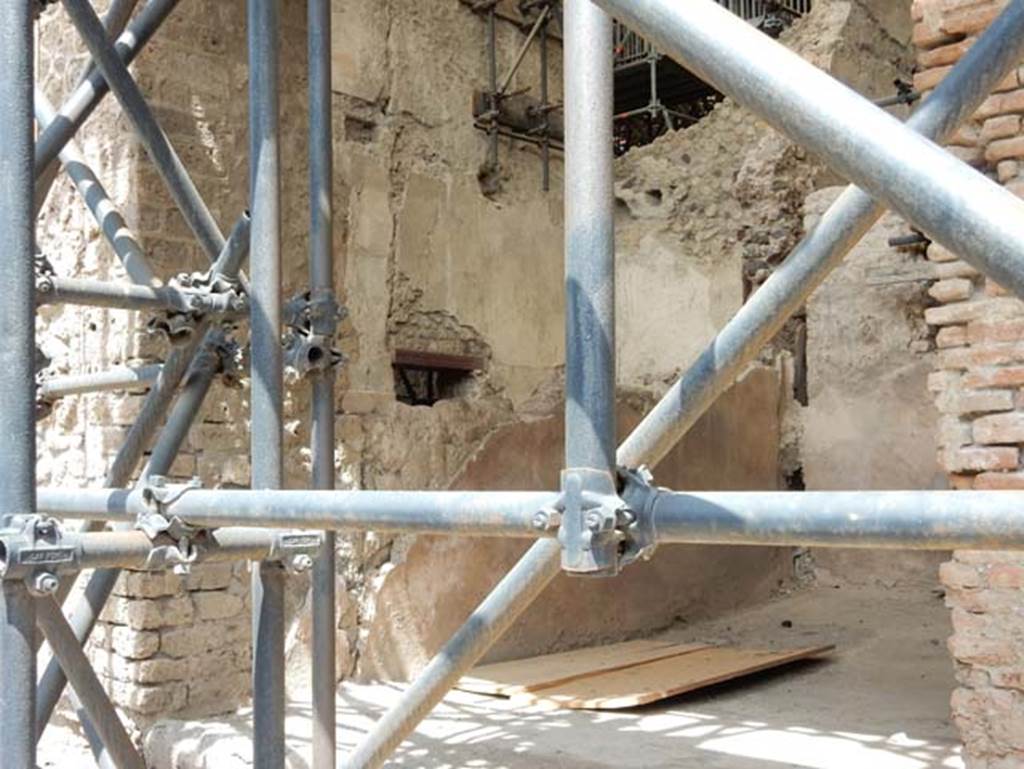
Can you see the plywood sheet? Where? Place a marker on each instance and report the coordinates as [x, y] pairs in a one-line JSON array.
[[526, 675], [657, 680]]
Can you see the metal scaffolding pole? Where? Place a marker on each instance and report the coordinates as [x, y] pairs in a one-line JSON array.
[[166, 160], [480, 513], [488, 622], [111, 223], [955, 99], [590, 376], [267, 372], [116, 18], [948, 200], [125, 378], [17, 375], [77, 108], [923, 520], [911, 520], [126, 296], [72, 659], [321, 282]]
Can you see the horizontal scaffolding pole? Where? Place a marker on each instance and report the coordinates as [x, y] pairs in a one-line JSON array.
[[127, 296], [135, 550], [124, 378], [483, 513], [945, 198], [911, 520], [924, 520]]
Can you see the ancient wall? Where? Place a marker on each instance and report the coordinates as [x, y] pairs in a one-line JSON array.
[[977, 388], [431, 257], [869, 355]]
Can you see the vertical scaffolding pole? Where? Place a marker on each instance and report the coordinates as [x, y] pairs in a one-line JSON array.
[[590, 367], [321, 280], [589, 240], [589, 289], [267, 375], [17, 375]]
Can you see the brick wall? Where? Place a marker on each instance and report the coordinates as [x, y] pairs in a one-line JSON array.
[[979, 389]]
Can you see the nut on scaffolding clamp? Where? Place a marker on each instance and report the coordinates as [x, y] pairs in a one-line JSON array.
[[35, 549], [311, 319], [174, 540]]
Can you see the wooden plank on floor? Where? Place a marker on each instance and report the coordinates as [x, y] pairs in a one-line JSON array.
[[526, 675], [660, 679]]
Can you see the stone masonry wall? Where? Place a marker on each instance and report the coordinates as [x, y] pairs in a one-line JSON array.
[[978, 390], [416, 239]]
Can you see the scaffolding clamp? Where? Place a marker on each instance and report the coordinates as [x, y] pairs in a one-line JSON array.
[[593, 518], [174, 540], [311, 320], [641, 538], [209, 292], [35, 549]]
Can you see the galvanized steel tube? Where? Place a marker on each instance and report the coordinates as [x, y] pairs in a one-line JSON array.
[[321, 279], [168, 164], [84, 99], [913, 520], [111, 223], [125, 378], [480, 513], [843, 225], [104, 719], [126, 296], [267, 372], [589, 239], [17, 375], [488, 622], [952, 203]]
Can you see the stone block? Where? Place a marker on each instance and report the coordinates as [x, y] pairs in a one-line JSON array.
[[216, 604], [979, 459]]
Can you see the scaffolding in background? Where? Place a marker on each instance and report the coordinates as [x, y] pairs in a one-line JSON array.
[[653, 94], [607, 513]]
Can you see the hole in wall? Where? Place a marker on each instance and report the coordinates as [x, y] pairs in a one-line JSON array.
[[360, 130], [424, 378]]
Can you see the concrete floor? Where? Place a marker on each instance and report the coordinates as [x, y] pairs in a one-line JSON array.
[[880, 701]]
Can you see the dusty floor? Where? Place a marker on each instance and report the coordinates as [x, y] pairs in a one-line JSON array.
[[879, 702]]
